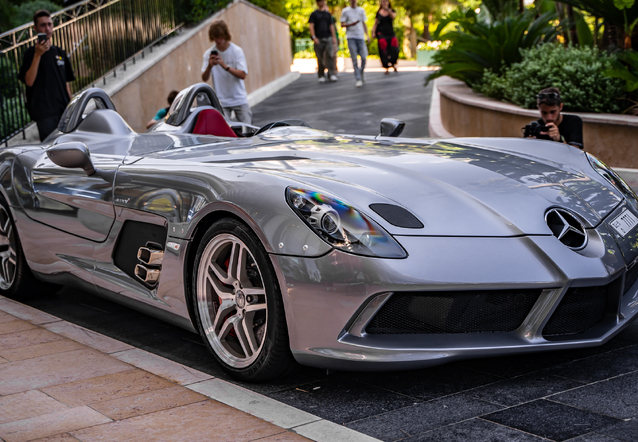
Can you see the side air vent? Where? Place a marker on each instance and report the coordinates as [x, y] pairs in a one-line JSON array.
[[397, 216], [566, 228], [139, 251]]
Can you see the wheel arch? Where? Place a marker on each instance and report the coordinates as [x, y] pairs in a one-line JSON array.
[[207, 218]]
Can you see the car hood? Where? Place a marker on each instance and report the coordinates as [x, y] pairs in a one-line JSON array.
[[456, 188]]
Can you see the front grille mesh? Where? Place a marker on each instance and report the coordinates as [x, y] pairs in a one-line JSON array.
[[580, 309], [631, 277], [488, 311]]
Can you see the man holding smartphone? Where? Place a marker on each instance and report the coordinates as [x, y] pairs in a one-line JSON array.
[[226, 62], [46, 71]]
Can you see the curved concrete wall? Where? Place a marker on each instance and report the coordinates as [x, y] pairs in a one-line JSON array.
[[612, 138], [264, 37]]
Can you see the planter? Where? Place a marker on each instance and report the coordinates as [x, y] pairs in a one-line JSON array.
[[464, 113], [424, 58]]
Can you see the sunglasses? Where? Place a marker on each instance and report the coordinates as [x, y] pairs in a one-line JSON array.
[[548, 96]]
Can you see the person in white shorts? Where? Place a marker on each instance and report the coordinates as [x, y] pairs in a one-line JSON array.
[[227, 64]]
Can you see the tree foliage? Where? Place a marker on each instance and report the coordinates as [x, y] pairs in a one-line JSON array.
[[479, 45]]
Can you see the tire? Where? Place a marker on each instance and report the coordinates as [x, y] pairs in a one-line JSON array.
[[238, 304], [16, 279]]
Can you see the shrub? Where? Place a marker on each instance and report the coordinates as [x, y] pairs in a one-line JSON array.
[[478, 45], [577, 71]]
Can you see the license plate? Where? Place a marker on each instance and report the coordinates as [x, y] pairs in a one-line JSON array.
[[624, 222]]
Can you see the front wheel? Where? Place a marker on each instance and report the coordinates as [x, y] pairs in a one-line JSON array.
[[239, 307]]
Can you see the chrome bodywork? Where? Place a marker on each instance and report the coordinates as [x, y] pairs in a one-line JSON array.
[[482, 204]]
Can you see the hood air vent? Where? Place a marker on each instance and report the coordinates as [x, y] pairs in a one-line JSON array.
[[567, 228], [397, 216]]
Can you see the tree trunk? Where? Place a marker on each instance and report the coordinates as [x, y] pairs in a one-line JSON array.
[[573, 35], [427, 19], [409, 40]]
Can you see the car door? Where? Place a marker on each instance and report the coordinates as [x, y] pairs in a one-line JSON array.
[[66, 198]]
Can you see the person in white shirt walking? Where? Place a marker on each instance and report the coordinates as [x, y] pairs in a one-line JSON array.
[[353, 18], [227, 64]]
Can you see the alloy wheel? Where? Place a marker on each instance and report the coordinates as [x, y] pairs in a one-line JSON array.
[[231, 300], [8, 257]]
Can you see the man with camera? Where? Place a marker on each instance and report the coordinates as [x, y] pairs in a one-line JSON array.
[[553, 125], [46, 71], [227, 64]]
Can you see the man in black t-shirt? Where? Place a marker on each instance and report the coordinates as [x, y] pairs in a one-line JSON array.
[[322, 32], [562, 128], [46, 71]]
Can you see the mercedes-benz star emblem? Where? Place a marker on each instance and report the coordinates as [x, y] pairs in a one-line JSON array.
[[566, 228]]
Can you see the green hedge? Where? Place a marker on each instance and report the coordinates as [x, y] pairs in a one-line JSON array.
[[576, 71]]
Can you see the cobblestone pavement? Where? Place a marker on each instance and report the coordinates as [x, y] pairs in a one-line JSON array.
[[586, 395]]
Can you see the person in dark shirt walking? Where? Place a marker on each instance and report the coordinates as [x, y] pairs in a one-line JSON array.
[[323, 34], [46, 71], [384, 32], [560, 127]]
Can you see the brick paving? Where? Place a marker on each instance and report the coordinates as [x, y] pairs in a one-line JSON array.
[[61, 382]]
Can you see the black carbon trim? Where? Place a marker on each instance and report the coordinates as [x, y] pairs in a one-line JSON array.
[[397, 216]]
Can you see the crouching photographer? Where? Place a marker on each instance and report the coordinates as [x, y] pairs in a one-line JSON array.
[[553, 125]]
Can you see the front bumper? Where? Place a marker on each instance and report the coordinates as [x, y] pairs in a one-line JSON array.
[[329, 299]]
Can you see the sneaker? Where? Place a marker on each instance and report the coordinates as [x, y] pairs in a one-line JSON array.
[[334, 78], [322, 79], [359, 83]]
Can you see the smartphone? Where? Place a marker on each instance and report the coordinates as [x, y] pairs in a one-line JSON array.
[[215, 53], [42, 38]]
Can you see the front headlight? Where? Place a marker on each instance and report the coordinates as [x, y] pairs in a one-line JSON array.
[[341, 225], [614, 179]]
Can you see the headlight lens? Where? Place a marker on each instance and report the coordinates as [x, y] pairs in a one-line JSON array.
[[341, 225], [614, 179]]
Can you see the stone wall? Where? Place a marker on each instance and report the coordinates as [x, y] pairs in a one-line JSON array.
[[610, 137], [264, 37]]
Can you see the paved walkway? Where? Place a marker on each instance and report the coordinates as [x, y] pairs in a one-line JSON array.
[[343, 108], [60, 382]]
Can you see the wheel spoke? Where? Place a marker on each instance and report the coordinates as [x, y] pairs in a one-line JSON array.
[[244, 341], [249, 333], [255, 307], [221, 290], [255, 291], [5, 225], [234, 262], [227, 326], [226, 307], [223, 276], [5, 269]]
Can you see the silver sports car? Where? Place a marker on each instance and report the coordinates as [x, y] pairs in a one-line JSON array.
[[285, 244]]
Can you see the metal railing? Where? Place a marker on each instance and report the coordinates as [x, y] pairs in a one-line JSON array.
[[98, 36]]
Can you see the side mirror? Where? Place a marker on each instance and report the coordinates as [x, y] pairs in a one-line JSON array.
[[72, 155], [391, 127]]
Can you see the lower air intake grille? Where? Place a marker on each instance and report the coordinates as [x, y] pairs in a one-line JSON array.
[[580, 309], [630, 277], [488, 311]]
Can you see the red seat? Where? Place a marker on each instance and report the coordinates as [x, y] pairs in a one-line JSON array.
[[211, 122]]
